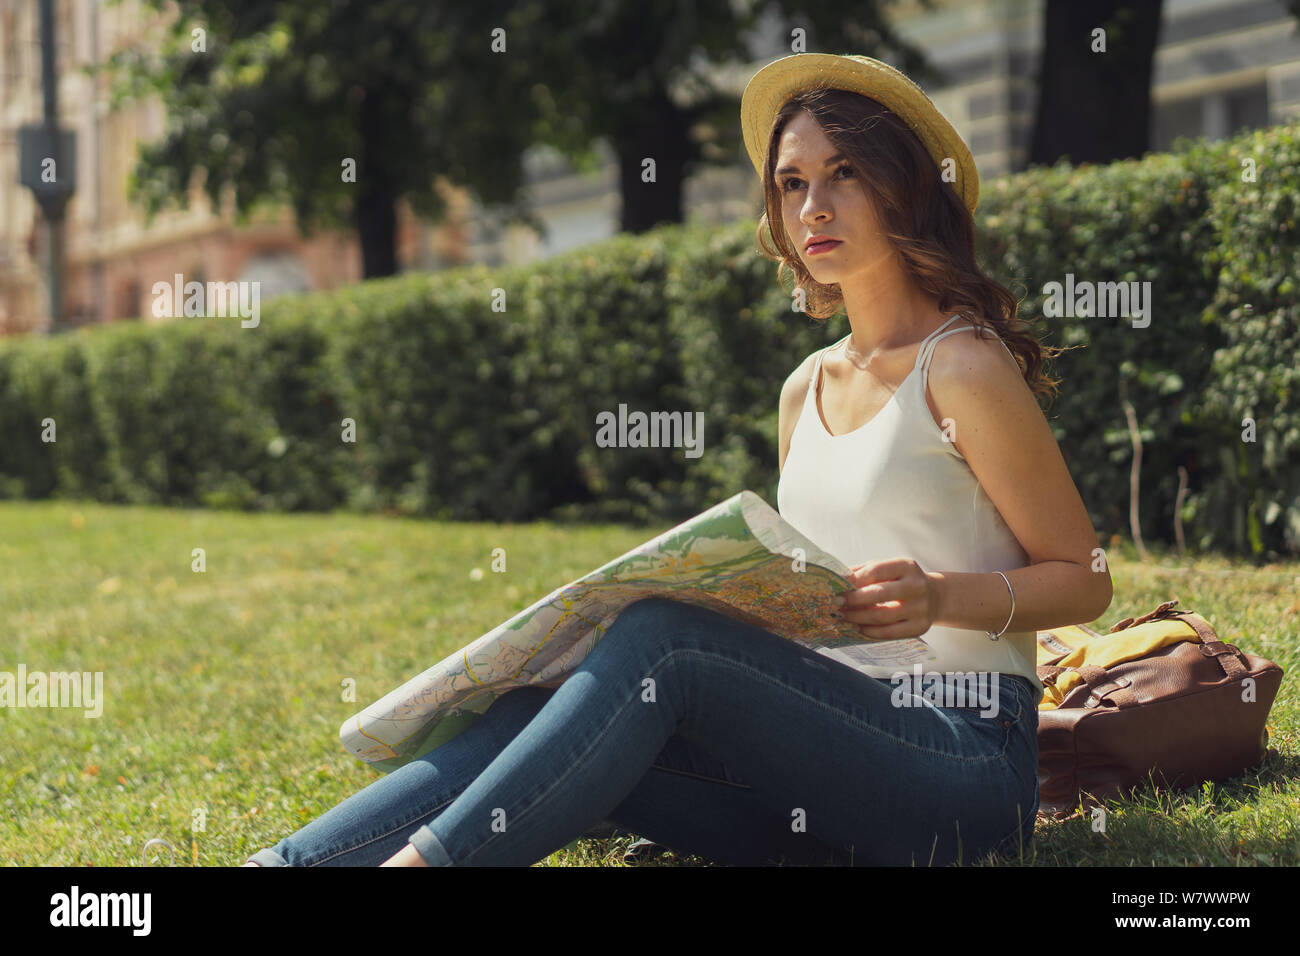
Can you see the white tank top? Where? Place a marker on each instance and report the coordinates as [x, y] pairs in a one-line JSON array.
[[895, 487]]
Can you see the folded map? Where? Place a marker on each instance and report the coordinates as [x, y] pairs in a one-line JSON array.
[[740, 558]]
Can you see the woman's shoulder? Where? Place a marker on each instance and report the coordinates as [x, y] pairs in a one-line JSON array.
[[974, 378], [793, 394], [975, 355], [797, 382]]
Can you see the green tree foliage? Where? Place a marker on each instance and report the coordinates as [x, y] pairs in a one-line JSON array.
[[273, 99], [281, 94]]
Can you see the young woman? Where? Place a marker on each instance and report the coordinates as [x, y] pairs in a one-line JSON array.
[[919, 457]]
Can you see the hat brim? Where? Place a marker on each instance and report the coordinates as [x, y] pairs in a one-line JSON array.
[[781, 79]]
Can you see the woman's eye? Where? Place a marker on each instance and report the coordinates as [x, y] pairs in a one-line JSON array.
[[785, 186]]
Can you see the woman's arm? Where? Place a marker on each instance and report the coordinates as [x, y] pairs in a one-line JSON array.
[[793, 393], [1048, 594], [1001, 432]]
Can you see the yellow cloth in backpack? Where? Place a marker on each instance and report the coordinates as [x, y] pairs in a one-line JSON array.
[[1076, 645]]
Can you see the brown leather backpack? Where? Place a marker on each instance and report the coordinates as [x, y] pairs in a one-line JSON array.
[[1158, 698]]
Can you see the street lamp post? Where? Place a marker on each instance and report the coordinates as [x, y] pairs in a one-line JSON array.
[[48, 165]]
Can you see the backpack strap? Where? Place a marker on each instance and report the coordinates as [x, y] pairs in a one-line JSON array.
[[1047, 673], [1090, 674], [1164, 610], [1227, 657], [1199, 624]]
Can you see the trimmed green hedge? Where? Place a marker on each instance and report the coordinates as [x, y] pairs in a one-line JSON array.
[[1217, 241], [467, 411]]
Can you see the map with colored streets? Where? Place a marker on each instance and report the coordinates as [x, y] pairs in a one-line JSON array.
[[739, 558]]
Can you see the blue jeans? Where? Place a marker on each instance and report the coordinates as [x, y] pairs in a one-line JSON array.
[[710, 736]]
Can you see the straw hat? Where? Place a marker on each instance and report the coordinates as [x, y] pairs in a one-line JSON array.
[[775, 83]]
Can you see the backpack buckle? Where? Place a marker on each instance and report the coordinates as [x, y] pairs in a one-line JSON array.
[[1099, 694]]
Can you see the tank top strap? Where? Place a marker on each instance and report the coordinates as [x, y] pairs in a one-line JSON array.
[[926, 354], [817, 370], [926, 351]]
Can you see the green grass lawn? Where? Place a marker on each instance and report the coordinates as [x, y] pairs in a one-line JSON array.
[[223, 688]]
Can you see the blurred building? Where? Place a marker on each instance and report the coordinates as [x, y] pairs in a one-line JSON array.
[[1221, 65], [113, 255]]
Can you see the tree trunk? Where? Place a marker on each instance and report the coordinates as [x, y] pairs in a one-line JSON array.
[[1095, 107], [661, 132], [376, 222], [375, 211]]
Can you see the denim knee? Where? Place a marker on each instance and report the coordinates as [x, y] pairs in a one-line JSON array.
[[529, 700], [654, 617], [647, 613]]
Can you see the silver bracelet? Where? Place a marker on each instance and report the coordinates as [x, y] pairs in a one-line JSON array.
[[992, 636]]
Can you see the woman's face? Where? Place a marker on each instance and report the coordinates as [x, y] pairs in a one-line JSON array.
[[818, 198]]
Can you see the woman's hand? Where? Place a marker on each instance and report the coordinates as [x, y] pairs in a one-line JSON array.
[[891, 600]]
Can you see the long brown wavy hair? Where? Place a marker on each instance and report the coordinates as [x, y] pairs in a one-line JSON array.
[[921, 216]]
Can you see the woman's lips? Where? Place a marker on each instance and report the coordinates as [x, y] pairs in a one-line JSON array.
[[819, 247]]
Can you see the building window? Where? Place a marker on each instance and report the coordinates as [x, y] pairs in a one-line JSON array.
[[1248, 109], [1216, 115], [129, 303], [277, 272], [1174, 120]]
